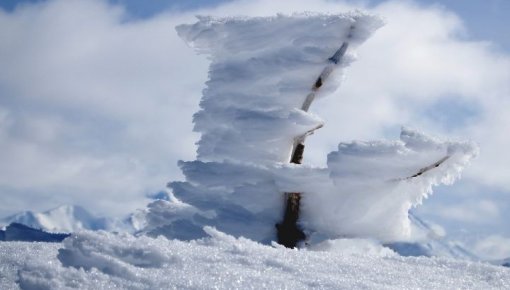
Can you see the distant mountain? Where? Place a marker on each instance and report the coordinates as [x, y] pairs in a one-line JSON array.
[[65, 218], [503, 262], [20, 232], [506, 262], [431, 245]]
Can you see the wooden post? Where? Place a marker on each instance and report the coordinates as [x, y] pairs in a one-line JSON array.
[[288, 231]]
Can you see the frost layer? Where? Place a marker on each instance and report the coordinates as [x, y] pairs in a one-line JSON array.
[[261, 71], [376, 183]]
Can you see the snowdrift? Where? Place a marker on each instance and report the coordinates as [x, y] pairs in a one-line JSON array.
[[101, 260]]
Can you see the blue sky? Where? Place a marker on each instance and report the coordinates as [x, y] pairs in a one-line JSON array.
[[485, 20], [96, 99]]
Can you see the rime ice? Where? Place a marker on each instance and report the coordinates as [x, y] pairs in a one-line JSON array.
[[261, 71]]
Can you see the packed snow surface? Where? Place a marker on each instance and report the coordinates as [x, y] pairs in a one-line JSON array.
[[101, 260]]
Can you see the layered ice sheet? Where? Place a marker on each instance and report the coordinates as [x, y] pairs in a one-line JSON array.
[[262, 70]]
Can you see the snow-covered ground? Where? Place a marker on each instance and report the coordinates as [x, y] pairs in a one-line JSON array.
[[100, 260]]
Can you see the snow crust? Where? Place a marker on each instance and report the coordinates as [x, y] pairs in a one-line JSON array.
[[102, 260]]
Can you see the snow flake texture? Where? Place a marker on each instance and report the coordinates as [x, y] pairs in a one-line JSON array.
[[101, 260]]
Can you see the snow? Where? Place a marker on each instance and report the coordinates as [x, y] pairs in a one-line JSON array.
[[364, 191], [216, 229], [14, 255], [372, 192], [64, 218], [101, 260], [262, 70]]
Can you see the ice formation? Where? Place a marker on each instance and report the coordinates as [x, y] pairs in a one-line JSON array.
[[261, 72]]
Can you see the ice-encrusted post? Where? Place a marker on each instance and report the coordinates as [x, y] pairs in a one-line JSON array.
[[265, 72], [288, 231]]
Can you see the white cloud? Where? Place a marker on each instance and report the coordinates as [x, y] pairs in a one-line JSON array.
[[418, 59], [494, 247], [96, 109], [471, 211]]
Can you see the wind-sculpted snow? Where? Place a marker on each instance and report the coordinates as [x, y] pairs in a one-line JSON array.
[[101, 260], [366, 191], [377, 183], [261, 72]]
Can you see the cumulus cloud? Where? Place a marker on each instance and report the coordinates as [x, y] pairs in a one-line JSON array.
[[95, 110], [96, 107]]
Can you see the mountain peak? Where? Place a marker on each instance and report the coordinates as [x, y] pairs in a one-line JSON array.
[[63, 218]]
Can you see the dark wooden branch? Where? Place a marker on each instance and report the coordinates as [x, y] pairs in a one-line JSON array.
[[424, 169], [288, 231]]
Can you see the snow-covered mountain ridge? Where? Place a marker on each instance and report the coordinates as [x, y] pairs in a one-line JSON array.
[[63, 219], [20, 232]]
